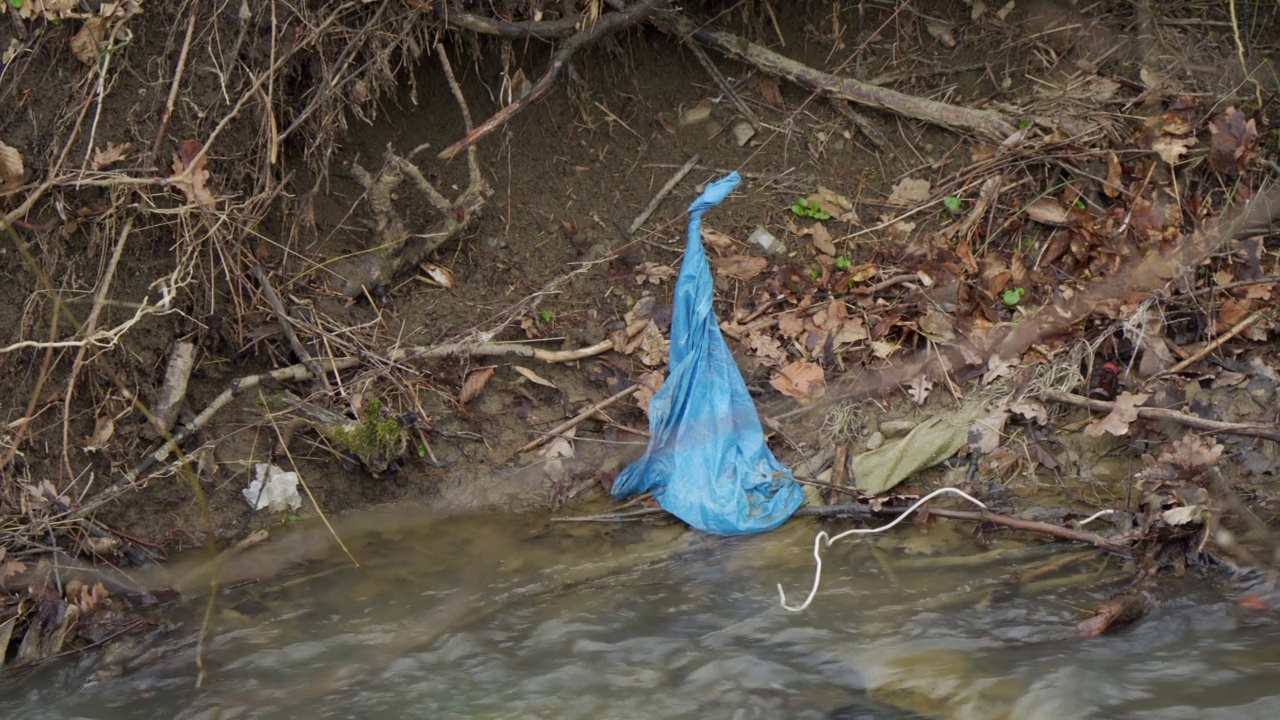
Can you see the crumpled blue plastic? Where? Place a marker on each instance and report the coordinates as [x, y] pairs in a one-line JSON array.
[[707, 462]]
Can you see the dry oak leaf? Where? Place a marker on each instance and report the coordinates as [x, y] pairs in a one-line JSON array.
[[13, 171], [113, 154], [1117, 421], [194, 185], [1171, 149], [740, 267], [1048, 211], [910, 191], [474, 384], [650, 383], [766, 348], [801, 379]]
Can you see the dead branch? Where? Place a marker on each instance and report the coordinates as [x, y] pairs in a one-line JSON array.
[[1258, 430], [984, 123], [453, 16], [174, 390], [578, 419], [662, 194], [608, 24]]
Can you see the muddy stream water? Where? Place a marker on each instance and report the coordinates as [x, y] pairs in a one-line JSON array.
[[516, 617]]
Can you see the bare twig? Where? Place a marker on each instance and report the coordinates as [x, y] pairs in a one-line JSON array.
[[578, 419], [662, 194], [282, 317], [607, 25], [1258, 430], [1212, 346], [984, 123]]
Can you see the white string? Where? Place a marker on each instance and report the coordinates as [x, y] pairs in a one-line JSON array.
[[822, 536], [1095, 516]]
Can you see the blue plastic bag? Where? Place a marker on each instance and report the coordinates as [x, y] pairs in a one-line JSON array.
[[707, 462]]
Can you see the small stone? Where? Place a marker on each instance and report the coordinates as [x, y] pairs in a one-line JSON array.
[[767, 241], [897, 428], [875, 440], [743, 132], [696, 114]]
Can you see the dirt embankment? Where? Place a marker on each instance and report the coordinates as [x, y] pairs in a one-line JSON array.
[[393, 247]]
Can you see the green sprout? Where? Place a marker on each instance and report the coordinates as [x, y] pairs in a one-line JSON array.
[[1013, 297], [15, 4], [1024, 124], [843, 263], [804, 208], [1079, 203], [951, 203], [546, 316], [815, 273]]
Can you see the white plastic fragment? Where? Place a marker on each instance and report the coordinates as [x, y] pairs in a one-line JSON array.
[[272, 489], [767, 241]]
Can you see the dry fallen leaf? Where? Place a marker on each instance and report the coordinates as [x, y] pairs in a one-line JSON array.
[[1048, 211], [1117, 421], [85, 44], [103, 428], [1171, 149], [653, 273], [437, 275], [1115, 177], [770, 91], [801, 379], [765, 347], [909, 192], [13, 171], [650, 384], [534, 377], [474, 384], [717, 240], [653, 346], [1184, 515], [920, 389], [985, 433], [194, 186], [740, 267], [113, 154], [822, 240]]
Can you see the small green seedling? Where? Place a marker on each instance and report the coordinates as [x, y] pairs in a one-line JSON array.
[[546, 316], [1024, 124], [843, 263], [1079, 203], [951, 203], [15, 4], [1013, 297], [422, 451], [804, 208], [815, 273]]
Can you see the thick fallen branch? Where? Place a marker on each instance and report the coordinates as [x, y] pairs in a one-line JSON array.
[[984, 123], [607, 25], [1258, 430]]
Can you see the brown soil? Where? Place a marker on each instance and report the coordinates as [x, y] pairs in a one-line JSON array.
[[567, 176]]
